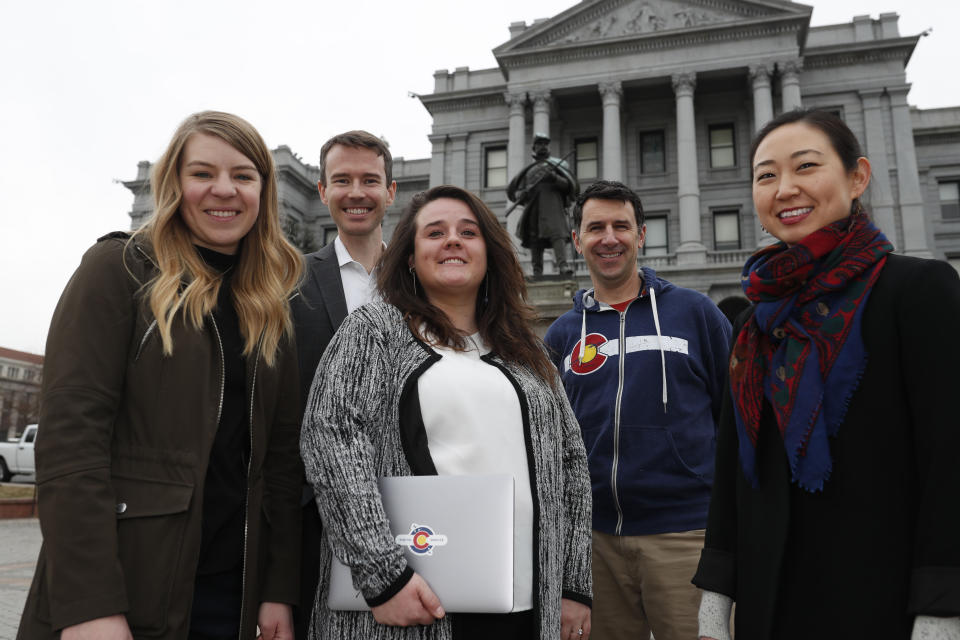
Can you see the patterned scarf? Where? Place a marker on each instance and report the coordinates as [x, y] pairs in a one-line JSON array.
[[803, 349]]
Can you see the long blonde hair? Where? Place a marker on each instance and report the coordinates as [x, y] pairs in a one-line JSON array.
[[268, 268]]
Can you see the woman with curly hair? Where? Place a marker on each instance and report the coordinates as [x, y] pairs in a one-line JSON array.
[[445, 376]]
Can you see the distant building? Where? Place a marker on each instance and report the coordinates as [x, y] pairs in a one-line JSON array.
[[20, 377], [665, 95]]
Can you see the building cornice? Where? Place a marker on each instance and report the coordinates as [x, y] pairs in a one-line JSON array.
[[296, 178], [860, 52], [467, 99], [137, 186]]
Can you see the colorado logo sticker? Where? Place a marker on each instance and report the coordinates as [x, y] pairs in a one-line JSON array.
[[592, 358], [421, 539]]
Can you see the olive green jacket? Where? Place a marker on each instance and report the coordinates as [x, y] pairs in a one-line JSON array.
[[125, 437]]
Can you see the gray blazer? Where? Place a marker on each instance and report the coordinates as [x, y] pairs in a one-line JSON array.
[[358, 427]]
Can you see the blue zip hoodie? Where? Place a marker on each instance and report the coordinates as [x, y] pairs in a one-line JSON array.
[[647, 394]]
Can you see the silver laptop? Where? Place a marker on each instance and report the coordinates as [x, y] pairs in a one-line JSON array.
[[456, 532]]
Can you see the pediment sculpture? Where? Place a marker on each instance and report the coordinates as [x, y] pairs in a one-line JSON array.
[[645, 16]]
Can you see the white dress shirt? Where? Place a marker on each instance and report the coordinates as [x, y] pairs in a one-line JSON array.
[[359, 287]]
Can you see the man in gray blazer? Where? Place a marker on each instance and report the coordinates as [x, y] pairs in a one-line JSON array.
[[356, 183]]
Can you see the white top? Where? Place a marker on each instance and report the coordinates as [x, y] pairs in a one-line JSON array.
[[474, 425], [359, 287]]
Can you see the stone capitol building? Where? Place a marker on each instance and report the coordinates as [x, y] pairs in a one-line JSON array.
[[665, 96]]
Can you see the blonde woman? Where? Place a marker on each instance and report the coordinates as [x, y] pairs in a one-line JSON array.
[[168, 471]]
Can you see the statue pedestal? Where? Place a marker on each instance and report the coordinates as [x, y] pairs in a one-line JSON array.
[[551, 296]]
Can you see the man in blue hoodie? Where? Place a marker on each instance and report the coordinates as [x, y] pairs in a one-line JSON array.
[[643, 363]]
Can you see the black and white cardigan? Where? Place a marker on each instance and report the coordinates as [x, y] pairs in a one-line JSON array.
[[363, 422]]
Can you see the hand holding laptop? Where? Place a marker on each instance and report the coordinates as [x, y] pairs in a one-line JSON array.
[[416, 603], [574, 620]]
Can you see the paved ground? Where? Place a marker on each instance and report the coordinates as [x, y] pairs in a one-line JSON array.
[[19, 545]]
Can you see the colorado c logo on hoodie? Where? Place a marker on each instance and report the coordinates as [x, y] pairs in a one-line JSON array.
[[592, 358]]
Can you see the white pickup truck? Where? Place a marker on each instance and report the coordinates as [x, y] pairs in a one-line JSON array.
[[17, 456]]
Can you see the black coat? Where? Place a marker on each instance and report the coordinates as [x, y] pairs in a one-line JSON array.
[[881, 542], [122, 459]]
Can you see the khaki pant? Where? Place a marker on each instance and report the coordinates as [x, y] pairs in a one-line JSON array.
[[641, 584]]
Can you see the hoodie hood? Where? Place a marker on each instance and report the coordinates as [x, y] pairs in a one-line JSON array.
[[650, 287], [584, 300]]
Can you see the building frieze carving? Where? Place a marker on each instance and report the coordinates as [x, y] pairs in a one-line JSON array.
[[667, 41], [646, 16], [637, 17]]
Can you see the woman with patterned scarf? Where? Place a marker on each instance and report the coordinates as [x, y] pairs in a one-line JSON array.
[[836, 502]]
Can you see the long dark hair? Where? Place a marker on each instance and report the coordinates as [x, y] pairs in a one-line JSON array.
[[503, 315]]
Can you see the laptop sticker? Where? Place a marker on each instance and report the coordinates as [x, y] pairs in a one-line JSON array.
[[421, 539]]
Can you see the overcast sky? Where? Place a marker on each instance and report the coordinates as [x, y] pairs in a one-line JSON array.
[[88, 89]]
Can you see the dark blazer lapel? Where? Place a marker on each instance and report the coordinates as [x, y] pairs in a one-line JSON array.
[[325, 272]]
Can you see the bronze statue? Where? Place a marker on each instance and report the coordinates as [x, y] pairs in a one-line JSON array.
[[545, 188]]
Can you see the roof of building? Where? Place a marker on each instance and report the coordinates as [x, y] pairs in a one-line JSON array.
[[21, 355]]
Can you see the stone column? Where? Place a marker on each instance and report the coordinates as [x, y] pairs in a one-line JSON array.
[[438, 144], [517, 136], [691, 250], [458, 159], [762, 113], [908, 176], [790, 83], [762, 95], [611, 92], [541, 112], [881, 199]]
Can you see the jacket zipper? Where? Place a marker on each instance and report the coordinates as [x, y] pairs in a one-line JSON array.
[[246, 502], [153, 325], [223, 381], [621, 369], [223, 367], [616, 423], [143, 340]]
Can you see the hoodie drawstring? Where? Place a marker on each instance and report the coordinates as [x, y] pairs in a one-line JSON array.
[[663, 357], [583, 333]]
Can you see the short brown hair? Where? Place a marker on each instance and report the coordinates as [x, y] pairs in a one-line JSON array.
[[608, 190], [357, 139]]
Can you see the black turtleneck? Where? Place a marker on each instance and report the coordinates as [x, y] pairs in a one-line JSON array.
[[217, 596]]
